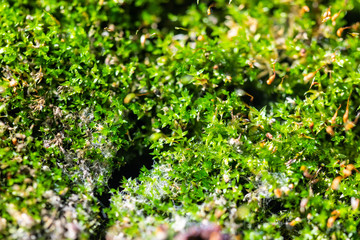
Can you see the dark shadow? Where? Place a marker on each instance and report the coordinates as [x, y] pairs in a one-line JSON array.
[[352, 16], [135, 159]]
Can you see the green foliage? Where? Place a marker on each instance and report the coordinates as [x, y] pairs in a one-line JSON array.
[[235, 100]]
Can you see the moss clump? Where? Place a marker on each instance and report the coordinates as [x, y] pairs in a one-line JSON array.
[[249, 111]]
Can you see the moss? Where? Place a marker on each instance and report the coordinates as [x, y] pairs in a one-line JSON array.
[[246, 111]]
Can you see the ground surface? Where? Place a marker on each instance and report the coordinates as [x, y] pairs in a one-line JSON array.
[[137, 119]]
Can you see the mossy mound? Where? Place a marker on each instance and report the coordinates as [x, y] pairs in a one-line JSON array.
[[137, 119]]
